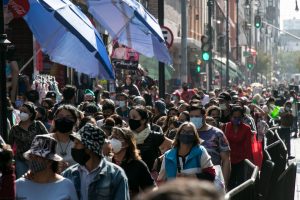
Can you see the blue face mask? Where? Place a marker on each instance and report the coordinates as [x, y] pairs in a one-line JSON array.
[[236, 121], [197, 121]]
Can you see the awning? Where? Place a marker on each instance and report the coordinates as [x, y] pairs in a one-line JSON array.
[[151, 65], [191, 42], [234, 71]]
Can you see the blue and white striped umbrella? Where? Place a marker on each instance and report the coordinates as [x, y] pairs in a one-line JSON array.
[[68, 37], [132, 25]]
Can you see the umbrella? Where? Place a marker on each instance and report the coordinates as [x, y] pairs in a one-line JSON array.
[[68, 37], [258, 85], [132, 25]]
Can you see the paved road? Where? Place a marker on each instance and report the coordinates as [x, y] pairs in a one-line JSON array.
[[295, 149]]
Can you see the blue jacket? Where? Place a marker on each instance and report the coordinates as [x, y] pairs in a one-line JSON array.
[[192, 161], [110, 183]]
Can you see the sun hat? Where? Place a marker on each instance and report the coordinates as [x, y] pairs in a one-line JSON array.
[[43, 146]]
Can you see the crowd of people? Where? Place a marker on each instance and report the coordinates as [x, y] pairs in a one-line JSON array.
[[132, 144]]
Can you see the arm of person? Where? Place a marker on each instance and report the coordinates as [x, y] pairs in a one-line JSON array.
[[146, 180], [14, 84], [207, 168], [7, 183], [248, 145], [120, 187], [166, 145], [259, 109], [162, 173], [226, 165]]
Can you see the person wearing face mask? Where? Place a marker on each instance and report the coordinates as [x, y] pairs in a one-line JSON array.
[[215, 113], [94, 177], [108, 109], [22, 134], [214, 141], [65, 120], [127, 156], [149, 142], [224, 104], [46, 183], [187, 158], [286, 123], [239, 136], [123, 109]]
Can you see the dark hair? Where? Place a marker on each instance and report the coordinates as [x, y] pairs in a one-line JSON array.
[[143, 112], [68, 92], [271, 99], [74, 112], [237, 108], [55, 166], [196, 105], [118, 120], [43, 113], [32, 96], [108, 105], [186, 114], [84, 121], [105, 95], [212, 108], [49, 102], [31, 108]]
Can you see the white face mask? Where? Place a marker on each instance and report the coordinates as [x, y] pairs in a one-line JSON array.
[[122, 103], [223, 106], [24, 116], [116, 145]]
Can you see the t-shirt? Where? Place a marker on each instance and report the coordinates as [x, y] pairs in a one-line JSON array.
[[62, 189], [215, 142], [150, 148]]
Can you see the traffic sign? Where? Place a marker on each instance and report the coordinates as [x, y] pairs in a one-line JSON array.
[[168, 36]]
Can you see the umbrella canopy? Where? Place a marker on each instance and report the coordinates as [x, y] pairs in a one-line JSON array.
[[68, 37], [258, 85], [151, 65], [132, 25]]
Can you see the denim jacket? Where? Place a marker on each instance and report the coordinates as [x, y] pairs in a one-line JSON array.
[[110, 183]]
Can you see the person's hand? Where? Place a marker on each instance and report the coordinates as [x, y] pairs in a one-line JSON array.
[[6, 156], [29, 175], [62, 165]]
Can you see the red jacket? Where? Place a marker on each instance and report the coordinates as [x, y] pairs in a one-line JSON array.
[[240, 142]]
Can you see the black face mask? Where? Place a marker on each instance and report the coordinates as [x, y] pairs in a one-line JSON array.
[[80, 156], [64, 125], [134, 124]]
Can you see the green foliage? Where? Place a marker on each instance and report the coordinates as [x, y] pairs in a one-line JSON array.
[[289, 61], [264, 63]]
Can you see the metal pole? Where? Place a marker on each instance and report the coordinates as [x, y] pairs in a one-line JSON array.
[[161, 65], [250, 39], [227, 43], [237, 30], [210, 6], [3, 105], [184, 24]]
